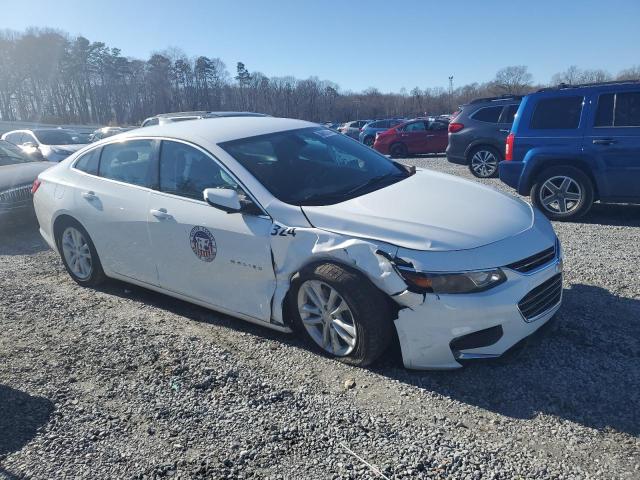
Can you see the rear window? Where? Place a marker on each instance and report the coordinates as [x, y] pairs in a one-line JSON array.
[[618, 110], [89, 162], [557, 113], [488, 114]]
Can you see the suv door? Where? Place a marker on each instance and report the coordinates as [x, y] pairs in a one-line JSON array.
[[113, 205], [613, 141], [202, 252], [487, 126]]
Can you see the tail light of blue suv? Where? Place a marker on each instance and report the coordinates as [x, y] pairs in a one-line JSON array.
[[508, 147], [455, 127]]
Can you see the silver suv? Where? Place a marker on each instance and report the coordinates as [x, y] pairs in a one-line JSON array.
[[478, 132]]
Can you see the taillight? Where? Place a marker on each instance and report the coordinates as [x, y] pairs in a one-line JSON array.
[[508, 148], [455, 127], [35, 186]]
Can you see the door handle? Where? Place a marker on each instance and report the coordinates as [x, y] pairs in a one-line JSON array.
[[160, 214], [604, 141], [505, 130], [89, 195]]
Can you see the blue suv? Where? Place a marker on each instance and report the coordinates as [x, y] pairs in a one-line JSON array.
[[572, 145]]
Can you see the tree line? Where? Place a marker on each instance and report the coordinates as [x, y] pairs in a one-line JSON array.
[[48, 76]]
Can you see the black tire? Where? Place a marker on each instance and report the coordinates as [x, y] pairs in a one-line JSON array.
[[97, 275], [371, 311], [398, 150], [540, 192], [484, 151], [368, 141]]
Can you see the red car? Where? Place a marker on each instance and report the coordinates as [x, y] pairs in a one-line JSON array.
[[414, 136]]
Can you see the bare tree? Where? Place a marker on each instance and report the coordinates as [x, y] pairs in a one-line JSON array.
[[515, 79]]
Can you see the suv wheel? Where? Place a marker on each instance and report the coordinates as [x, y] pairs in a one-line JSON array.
[[398, 150], [563, 193], [483, 162]]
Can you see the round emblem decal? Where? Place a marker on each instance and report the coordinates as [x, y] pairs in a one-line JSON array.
[[203, 244]]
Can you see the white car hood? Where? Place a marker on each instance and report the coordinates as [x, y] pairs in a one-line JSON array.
[[428, 211]]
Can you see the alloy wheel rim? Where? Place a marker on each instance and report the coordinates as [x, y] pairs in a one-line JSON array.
[[560, 194], [76, 253], [327, 318], [484, 163]]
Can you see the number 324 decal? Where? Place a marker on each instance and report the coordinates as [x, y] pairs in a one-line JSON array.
[[281, 231]]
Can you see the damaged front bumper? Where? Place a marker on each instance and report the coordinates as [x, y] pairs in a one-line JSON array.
[[446, 328]]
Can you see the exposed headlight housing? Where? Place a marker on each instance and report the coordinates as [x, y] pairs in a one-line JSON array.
[[464, 282]]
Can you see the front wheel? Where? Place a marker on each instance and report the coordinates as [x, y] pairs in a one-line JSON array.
[[398, 150], [563, 193], [341, 313]]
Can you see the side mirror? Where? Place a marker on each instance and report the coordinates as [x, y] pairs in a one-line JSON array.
[[224, 199]]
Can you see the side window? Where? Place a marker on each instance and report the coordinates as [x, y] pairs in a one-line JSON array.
[[488, 114], [186, 171], [89, 162], [14, 138], [618, 110], [557, 113], [415, 127], [128, 162], [509, 114], [437, 126]]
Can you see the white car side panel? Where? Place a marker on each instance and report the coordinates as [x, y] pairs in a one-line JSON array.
[[116, 218], [232, 270]]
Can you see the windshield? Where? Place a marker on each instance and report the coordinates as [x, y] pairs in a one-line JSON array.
[[59, 137], [10, 154], [314, 166]]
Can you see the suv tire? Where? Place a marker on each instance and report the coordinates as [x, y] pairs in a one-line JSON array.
[[364, 316], [563, 193], [483, 161]]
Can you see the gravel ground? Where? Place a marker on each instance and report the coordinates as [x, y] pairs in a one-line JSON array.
[[127, 383]]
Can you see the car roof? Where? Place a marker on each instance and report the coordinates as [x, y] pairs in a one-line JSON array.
[[219, 129], [206, 113]]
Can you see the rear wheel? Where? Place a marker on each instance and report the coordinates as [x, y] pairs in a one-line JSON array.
[[341, 313], [483, 162], [79, 254], [563, 193], [398, 150]]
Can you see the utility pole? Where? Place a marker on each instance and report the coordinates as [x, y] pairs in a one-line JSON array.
[[450, 91]]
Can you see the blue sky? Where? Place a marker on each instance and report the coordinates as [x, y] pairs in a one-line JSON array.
[[358, 44]]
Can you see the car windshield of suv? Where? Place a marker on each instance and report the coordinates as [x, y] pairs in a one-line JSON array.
[[10, 155], [314, 166], [59, 137]]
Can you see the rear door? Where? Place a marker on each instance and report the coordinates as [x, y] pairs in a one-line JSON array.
[[437, 136], [415, 136], [489, 130], [113, 205], [505, 123], [202, 252], [613, 141]]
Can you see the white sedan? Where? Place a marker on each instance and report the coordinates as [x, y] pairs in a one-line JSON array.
[[290, 225]]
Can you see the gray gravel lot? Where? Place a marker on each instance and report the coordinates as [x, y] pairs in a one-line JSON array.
[[126, 383]]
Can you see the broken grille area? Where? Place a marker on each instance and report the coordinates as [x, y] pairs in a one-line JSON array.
[[542, 298], [15, 196], [534, 261]]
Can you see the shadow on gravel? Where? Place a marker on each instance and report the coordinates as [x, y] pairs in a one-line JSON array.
[[582, 366], [21, 238], [21, 416], [618, 215]]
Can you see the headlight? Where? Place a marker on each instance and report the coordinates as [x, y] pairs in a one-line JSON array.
[[465, 282]]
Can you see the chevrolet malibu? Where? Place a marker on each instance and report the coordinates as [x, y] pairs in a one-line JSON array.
[[293, 226]]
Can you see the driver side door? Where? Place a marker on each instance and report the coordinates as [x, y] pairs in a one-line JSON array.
[[202, 252]]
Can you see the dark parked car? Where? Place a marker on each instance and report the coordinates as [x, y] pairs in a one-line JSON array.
[[413, 137], [478, 132], [17, 174], [164, 118], [368, 132], [572, 145], [352, 129]]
